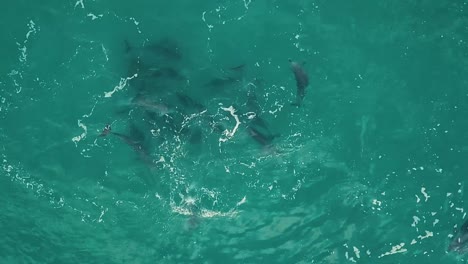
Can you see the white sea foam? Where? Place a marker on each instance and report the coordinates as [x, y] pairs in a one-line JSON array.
[[79, 3], [426, 196], [395, 250], [230, 133], [82, 135], [121, 85]]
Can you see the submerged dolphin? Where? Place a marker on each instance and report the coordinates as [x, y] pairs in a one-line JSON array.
[[159, 108], [263, 139], [221, 82], [231, 77], [165, 72], [252, 100], [136, 145], [189, 102], [254, 113], [238, 68], [166, 48], [257, 127], [302, 81], [460, 243], [151, 106]]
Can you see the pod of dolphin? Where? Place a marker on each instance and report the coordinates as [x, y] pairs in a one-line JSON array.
[[148, 98], [150, 95]]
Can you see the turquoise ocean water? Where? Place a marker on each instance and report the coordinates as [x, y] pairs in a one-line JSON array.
[[207, 161]]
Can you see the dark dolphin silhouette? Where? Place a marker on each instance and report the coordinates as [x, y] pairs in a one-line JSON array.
[[460, 243], [135, 144], [302, 81]]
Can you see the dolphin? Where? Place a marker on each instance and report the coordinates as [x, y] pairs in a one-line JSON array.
[[136, 145], [148, 105], [151, 106], [302, 81], [255, 120], [239, 68], [166, 47], [165, 72], [460, 243], [221, 82], [230, 77], [252, 101], [189, 102], [195, 216], [262, 138]]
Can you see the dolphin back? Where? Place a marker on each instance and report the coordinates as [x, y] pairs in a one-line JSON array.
[[302, 81]]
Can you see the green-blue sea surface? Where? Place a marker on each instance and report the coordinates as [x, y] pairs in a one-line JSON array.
[[164, 131]]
